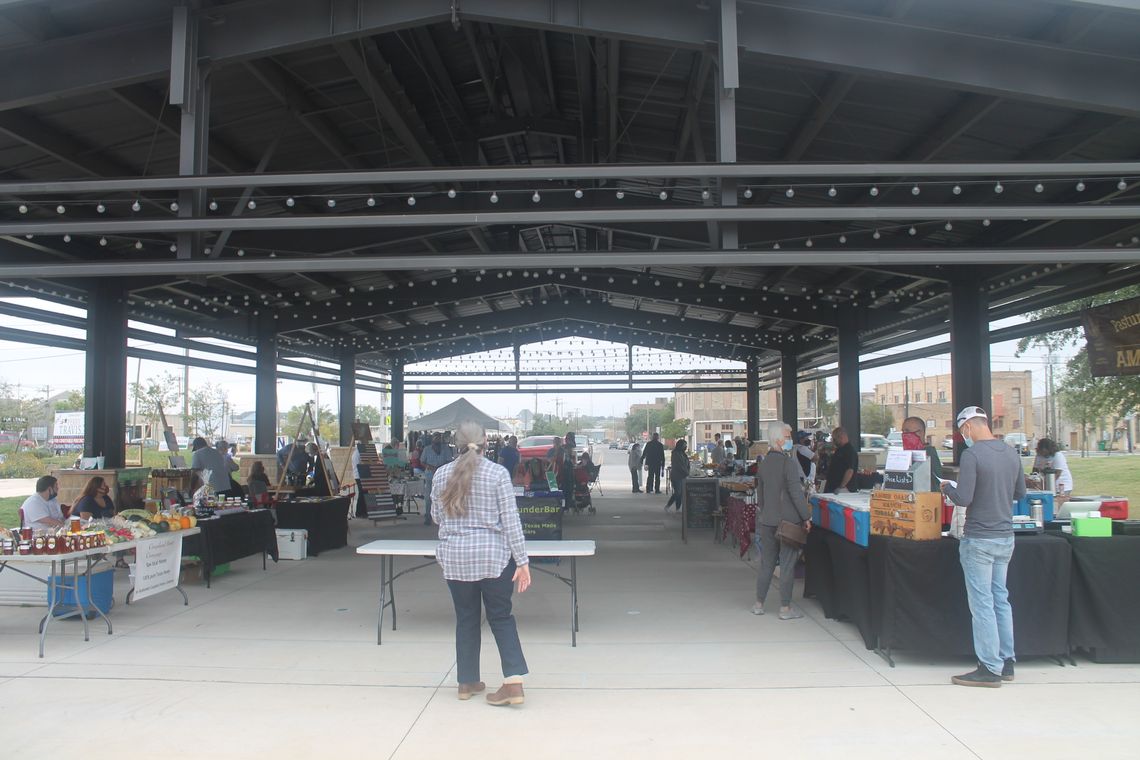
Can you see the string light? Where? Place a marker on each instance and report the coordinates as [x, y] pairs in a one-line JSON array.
[[876, 235], [411, 200], [494, 197], [874, 191], [451, 192], [790, 192], [331, 203], [915, 190], [704, 194], [1122, 185], [174, 207], [663, 195], [213, 205], [999, 189], [747, 192], [103, 241], [831, 191], [372, 201], [251, 205], [136, 206], [60, 210], [843, 240], [536, 197], [1038, 188], [290, 202], [957, 190], [1080, 186], [67, 238]]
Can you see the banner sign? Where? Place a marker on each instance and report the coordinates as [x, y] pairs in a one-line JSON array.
[[157, 565], [1113, 335]]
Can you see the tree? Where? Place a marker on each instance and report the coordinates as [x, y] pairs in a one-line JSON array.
[[876, 419], [827, 410], [208, 406], [157, 392], [74, 401], [675, 429], [369, 414], [548, 424], [1086, 399], [18, 410], [325, 419]]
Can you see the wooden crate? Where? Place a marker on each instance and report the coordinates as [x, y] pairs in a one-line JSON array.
[[904, 514]]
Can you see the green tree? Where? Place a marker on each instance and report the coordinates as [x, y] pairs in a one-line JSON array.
[[208, 406], [325, 419], [74, 401], [875, 419], [548, 424], [369, 414], [827, 410], [155, 392], [1084, 398], [18, 410], [675, 429]]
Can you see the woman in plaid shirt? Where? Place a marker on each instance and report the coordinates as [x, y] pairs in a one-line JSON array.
[[482, 554]]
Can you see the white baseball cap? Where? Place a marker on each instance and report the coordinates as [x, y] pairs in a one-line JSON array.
[[969, 413]]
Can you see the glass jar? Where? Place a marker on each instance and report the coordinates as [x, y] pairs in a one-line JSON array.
[[39, 544], [25, 546], [76, 524], [51, 545]]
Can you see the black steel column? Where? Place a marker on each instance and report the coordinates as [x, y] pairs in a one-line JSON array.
[[189, 92], [849, 401], [265, 403], [397, 388], [969, 349], [752, 402], [347, 397], [105, 413], [728, 80], [789, 390]]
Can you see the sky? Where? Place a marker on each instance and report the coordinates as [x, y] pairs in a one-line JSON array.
[[52, 370]]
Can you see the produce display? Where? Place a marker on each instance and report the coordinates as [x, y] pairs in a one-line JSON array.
[[75, 535]]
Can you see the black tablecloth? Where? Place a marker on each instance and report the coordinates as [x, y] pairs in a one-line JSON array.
[[1104, 611], [326, 520], [229, 537], [911, 594], [920, 600], [837, 573]]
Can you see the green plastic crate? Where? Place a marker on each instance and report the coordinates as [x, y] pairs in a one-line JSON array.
[[1092, 527]]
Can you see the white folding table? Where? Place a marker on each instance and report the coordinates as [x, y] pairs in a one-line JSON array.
[[388, 550]]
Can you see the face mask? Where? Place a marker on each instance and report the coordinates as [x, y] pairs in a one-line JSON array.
[[787, 445], [911, 442]]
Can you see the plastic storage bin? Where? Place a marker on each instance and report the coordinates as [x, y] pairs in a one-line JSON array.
[[1021, 506], [102, 593], [292, 543]]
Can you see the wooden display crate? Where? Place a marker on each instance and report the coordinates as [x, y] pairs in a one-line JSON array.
[[905, 514]]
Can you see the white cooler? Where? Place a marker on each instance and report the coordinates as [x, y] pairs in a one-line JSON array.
[[292, 543]]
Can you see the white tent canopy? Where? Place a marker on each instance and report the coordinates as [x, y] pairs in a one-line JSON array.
[[449, 417]]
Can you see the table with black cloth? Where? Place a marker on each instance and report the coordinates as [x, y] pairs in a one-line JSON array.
[[225, 538], [1104, 610], [904, 594], [326, 520]]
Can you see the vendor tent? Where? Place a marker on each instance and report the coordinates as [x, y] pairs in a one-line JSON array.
[[451, 415]]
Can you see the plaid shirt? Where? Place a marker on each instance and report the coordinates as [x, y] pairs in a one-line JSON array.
[[479, 544]]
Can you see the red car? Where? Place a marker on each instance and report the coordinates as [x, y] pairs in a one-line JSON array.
[[535, 446]]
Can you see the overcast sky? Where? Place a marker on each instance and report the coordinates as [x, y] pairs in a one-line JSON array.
[[55, 370]]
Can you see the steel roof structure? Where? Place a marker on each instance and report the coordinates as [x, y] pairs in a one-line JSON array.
[[395, 182]]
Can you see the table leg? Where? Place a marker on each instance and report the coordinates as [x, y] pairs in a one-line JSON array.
[[392, 587], [53, 594], [90, 600], [574, 601], [383, 589]]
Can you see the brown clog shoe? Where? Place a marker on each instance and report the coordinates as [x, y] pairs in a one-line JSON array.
[[508, 694], [467, 689]]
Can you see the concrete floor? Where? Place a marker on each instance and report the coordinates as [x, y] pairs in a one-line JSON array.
[[669, 663]]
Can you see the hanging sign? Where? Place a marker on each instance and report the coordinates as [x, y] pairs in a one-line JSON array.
[[157, 565], [1113, 335]]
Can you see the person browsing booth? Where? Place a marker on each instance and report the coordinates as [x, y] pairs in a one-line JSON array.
[[989, 481]]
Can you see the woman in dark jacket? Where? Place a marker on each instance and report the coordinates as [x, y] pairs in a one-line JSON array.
[[780, 497], [95, 501], [678, 471]]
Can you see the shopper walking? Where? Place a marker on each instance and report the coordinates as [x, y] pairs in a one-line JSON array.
[[989, 480], [653, 457], [678, 471], [780, 498], [635, 466], [482, 553], [434, 456]]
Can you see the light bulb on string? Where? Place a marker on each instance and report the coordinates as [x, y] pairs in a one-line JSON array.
[[331, 203], [957, 190], [411, 200], [790, 192], [998, 189], [60, 209], [1122, 185], [67, 238], [494, 197], [842, 239], [290, 202], [874, 191], [876, 234], [578, 193], [103, 242], [620, 194], [832, 192], [136, 206], [949, 226], [985, 222], [1080, 186], [915, 190], [536, 197], [912, 231], [705, 195], [451, 192], [174, 207], [663, 195], [138, 245]]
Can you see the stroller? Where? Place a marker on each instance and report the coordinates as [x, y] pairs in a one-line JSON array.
[[584, 475]]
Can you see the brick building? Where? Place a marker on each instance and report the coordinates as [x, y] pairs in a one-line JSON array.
[[930, 397]]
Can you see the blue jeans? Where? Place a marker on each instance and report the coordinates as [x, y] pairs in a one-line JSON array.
[[985, 562], [495, 595]]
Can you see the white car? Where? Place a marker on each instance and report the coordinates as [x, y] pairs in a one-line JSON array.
[[877, 444]]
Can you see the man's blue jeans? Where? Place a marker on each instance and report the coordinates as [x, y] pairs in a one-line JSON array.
[[985, 562]]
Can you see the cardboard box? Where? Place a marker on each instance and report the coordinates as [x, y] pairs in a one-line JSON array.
[[916, 516]]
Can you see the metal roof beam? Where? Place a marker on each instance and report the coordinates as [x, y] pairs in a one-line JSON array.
[[61, 146]]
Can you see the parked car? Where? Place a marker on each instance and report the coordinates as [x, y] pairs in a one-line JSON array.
[[894, 439], [535, 446], [1018, 441], [877, 444], [948, 442]]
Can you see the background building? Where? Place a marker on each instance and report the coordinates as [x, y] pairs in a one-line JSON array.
[[1011, 405]]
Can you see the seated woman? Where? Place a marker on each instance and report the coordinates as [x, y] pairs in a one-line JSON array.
[[258, 483], [586, 460], [95, 501]]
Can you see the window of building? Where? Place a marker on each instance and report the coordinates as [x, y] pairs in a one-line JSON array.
[[884, 400], [917, 397], [726, 426], [929, 424], [896, 398], [708, 426], [1016, 393], [999, 423], [941, 397], [950, 424], [929, 397], [1016, 424]]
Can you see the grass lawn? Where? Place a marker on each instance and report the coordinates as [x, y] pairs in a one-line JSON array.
[[1109, 476], [10, 511]]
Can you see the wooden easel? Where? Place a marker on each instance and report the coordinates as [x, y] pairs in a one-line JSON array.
[[331, 479]]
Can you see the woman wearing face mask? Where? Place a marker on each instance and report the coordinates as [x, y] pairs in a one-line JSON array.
[[914, 439], [678, 471], [780, 497]]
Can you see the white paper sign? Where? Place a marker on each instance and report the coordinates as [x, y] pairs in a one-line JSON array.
[[898, 460], [157, 564]]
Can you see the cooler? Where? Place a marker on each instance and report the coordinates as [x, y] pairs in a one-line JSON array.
[[857, 526], [102, 593], [292, 543], [835, 521], [820, 515]]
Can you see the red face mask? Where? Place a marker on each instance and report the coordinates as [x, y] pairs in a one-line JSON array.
[[911, 442]]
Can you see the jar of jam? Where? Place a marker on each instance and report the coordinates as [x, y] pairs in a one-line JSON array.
[[39, 544], [7, 544], [65, 543], [26, 534], [25, 546], [75, 525], [51, 545]]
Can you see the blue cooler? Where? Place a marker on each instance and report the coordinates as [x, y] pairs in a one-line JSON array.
[[1021, 506], [102, 593]]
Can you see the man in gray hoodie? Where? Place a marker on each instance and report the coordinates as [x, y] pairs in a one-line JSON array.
[[989, 479]]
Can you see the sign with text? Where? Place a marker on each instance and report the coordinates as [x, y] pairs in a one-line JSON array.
[[898, 460], [157, 565], [541, 517], [701, 499], [1113, 335]]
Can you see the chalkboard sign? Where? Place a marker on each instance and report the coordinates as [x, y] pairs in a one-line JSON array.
[[541, 517], [700, 500], [898, 481]]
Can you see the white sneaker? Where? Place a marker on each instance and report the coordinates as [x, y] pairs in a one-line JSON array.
[[757, 609]]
